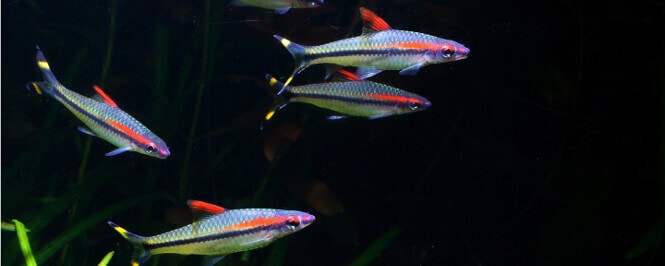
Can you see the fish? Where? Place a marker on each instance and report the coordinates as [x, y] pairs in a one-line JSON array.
[[103, 117], [378, 48], [217, 232], [360, 98], [280, 6]]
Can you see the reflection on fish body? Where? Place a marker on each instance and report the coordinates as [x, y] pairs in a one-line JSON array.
[[378, 48], [350, 98], [219, 232], [103, 117], [280, 6]]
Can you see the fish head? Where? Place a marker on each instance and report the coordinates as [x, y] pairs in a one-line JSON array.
[[291, 222], [156, 148], [307, 3], [412, 103], [448, 51]]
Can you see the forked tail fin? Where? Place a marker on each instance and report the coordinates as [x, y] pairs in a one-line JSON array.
[[298, 53], [45, 68], [49, 83], [140, 254], [281, 97]]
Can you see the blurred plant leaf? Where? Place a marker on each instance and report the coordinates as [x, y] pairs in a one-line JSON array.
[[91, 221], [650, 241], [24, 243], [379, 245], [105, 261]]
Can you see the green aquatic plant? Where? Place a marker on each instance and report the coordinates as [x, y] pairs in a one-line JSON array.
[[92, 220], [379, 245], [24, 242], [105, 261]]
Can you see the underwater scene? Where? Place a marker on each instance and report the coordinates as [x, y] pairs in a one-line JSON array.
[[323, 132]]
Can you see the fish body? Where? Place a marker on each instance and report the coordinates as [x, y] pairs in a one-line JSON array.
[[219, 233], [280, 6], [350, 98], [103, 118], [378, 48]]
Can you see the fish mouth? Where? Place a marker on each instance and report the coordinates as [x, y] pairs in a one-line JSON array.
[[426, 104], [306, 219], [163, 154], [462, 52]]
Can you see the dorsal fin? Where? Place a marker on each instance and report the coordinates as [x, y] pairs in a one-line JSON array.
[[104, 96], [372, 22], [203, 209]]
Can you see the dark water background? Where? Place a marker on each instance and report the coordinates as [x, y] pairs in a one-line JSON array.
[[544, 147]]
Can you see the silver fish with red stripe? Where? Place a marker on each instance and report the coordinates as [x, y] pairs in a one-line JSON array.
[[280, 6], [361, 98], [378, 48], [218, 232], [103, 117]]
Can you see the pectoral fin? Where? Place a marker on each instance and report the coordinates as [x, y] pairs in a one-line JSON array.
[[412, 70], [336, 117], [265, 239], [365, 72], [282, 10], [211, 260], [118, 151]]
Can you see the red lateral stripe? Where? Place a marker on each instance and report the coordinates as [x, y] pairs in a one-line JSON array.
[[205, 207], [391, 98], [129, 132], [257, 222], [417, 45], [373, 21], [106, 98]]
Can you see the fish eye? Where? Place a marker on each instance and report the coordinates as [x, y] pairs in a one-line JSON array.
[[292, 221], [447, 51], [150, 148], [415, 104]]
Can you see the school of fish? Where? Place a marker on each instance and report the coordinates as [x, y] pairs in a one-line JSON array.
[[216, 231], [378, 48]]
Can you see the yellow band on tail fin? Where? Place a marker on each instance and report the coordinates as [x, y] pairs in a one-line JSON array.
[[270, 114], [120, 230], [36, 87]]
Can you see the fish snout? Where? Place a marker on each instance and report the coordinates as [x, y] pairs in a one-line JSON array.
[[461, 52], [426, 104], [306, 219], [163, 153]]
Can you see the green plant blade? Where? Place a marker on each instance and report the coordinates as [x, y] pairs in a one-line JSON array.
[[377, 247], [105, 261], [24, 243], [94, 219]]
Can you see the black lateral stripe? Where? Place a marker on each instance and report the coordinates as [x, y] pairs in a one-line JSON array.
[[205, 238], [57, 94], [343, 99], [361, 52]]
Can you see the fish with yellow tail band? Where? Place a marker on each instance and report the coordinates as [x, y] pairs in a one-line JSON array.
[[378, 48], [218, 232], [360, 98], [103, 117], [280, 6]]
